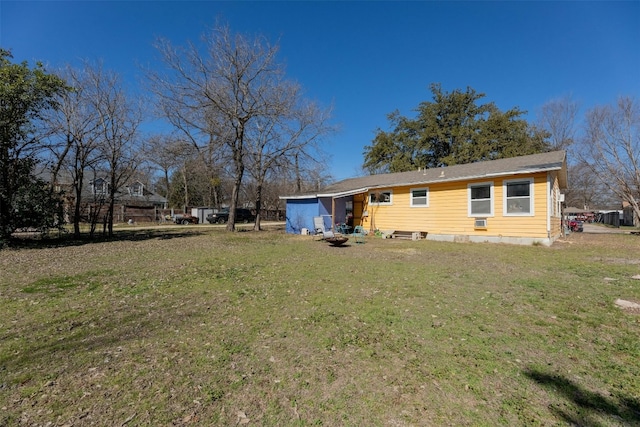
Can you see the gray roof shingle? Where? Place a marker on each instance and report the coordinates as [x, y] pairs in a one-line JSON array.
[[554, 160]]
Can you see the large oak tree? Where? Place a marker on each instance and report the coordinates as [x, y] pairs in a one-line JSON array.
[[452, 129]]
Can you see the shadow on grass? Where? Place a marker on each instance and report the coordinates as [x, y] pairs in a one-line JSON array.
[[588, 404], [36, 241], [77, 340]]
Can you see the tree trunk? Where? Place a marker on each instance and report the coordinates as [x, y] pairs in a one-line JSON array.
[[298, 177], [256, 226], [166, 183], [5, 206], [186, 186], [112, 202], [235, 193], [77, 210], [636, 209]]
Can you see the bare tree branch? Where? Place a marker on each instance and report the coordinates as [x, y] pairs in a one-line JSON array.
[[611, 148], [230, 97]]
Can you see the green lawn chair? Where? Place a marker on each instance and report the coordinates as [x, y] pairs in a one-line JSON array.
[[358, 234]]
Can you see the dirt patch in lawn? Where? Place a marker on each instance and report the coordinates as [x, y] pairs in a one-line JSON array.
[[629, 306]]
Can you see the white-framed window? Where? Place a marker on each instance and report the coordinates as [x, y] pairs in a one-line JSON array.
[[100, 186], [419, 198], [480, 199], [136, 189], [518, 197], [381, 197]]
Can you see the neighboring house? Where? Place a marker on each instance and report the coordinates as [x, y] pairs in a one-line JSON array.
[[133, 201], [515, 200]]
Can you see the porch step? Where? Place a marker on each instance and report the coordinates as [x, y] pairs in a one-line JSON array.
[[409, 235]]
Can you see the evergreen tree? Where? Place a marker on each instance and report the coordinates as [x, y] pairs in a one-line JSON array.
[[24, 94], [452, 129]]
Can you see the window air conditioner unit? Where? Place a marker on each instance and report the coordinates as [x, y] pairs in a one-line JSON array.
[[480, 223]]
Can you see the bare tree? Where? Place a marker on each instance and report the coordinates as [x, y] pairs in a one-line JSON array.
[[304, 171], [558, 118], [190, 185], [219, 98], [119, 118], [611, 148], [75, 137], [95, 131], [293, 131], [167, 154], [584, 187]]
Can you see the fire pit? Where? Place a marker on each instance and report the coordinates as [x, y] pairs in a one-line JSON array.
[[337, 241]]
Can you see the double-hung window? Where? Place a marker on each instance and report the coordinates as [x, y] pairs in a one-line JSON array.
[[100, 186], [480, 199], [518, 197], [419, 198], [136, 189]]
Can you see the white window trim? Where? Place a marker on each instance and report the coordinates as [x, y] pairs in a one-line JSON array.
[[100, 189], [505, 202], [492, 198], [390, 202], [136, 189], [555, 200], [411, 190]]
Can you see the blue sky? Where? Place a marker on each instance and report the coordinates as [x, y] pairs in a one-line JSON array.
[[366, 59]]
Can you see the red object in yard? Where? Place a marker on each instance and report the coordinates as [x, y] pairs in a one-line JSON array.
[[575, 225]]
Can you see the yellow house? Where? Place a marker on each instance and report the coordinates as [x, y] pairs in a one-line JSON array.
[[515, 200]]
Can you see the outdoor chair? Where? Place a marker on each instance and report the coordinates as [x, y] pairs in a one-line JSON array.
[[358, 234], [318, 225], [342, 228]]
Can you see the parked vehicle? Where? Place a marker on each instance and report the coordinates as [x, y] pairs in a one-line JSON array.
[[222, 216], [185, 219], [575, 225]]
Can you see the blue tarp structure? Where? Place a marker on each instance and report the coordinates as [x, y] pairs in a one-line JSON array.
[[300, 213]]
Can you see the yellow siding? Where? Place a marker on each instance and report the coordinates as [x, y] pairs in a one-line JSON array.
[[359, 202], [447, 212]]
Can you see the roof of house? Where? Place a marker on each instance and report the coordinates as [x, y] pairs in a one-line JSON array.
[[543, 162], [123, 195], [572, 210]]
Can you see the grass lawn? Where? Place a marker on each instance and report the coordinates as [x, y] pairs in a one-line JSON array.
[[204, 327]]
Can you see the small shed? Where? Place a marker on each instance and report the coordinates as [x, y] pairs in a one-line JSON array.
[[302, 209], [201, 213]]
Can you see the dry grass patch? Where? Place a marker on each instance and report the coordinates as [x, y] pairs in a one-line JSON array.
[[216, 328]]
